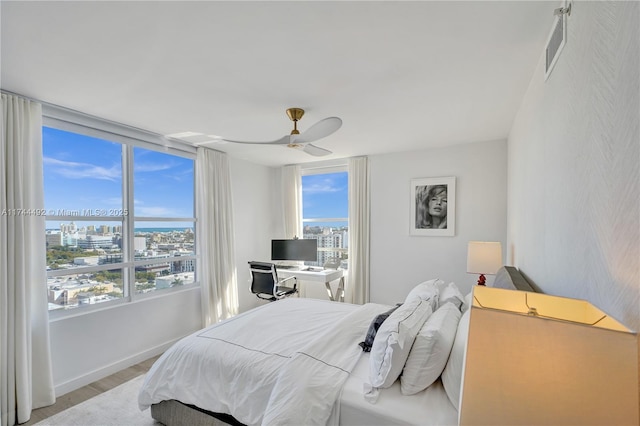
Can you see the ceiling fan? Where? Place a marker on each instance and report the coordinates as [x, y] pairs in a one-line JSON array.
[[302, 140]]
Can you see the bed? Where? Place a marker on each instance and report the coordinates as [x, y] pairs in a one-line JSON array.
[[306, 361]]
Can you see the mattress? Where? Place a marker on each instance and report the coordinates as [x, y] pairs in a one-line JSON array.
[[430, 407]]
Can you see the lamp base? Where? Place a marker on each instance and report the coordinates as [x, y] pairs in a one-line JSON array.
[[482, 280]]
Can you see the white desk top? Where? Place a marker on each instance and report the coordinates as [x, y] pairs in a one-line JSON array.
[[319, 275], [323, 275]]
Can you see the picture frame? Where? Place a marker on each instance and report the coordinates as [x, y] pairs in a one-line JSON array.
[[433, 221]]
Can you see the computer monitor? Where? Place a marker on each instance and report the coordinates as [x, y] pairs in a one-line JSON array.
[[294, 250]]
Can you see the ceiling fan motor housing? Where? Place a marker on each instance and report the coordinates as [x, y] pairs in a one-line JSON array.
[[295, 114]]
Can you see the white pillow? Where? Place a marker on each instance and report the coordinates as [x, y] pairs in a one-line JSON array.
[[425, 291], [452, 373], [451, 293], [468, 301], [394, 339], [431, 349]]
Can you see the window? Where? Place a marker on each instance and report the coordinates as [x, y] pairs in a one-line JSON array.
[[120, 216], [325, 212]]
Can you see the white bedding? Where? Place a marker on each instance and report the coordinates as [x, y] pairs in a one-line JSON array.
[[282, 363], [430, 407]]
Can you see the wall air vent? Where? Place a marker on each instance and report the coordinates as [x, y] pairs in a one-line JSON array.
[[557, 38]]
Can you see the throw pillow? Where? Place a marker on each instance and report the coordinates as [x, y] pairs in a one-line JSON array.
[[373, 329], [451, 293]]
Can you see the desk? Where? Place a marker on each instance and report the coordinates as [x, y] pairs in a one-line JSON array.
[[325, 276]]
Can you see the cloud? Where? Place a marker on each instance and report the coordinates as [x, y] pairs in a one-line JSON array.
[[180, 176], [152, 167], [75, 170], [322, 186]]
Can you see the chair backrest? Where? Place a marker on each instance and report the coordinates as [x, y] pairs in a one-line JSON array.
[[332, 263], [263, 278]]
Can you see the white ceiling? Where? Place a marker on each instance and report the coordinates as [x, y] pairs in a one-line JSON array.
[[401, 75]]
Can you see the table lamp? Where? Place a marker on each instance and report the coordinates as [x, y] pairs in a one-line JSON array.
[[484, 258], [536, 359]]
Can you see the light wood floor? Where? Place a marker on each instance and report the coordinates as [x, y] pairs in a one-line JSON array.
[[96, 388]]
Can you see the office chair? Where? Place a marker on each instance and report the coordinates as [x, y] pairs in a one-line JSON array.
[[332, 263], [265, 283]]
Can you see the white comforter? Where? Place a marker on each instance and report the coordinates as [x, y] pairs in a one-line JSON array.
[[282, 363]]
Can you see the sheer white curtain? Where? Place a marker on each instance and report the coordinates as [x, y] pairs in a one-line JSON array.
[[292, 200], [292, 207], [26, 379], [357, 290], [216, 263]]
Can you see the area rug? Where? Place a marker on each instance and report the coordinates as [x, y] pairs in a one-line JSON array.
[[116, 407]]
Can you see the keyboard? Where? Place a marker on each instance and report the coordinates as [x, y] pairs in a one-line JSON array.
[[300, 268]]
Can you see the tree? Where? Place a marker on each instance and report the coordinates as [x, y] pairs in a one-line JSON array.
[[96, 289], [141, 287], [145, 276]]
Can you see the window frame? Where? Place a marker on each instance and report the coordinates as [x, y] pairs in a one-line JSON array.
[[129, 138]]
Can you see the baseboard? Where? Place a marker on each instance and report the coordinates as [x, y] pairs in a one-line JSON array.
[[85, 379]]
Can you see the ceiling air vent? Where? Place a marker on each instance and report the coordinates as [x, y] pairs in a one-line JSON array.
[[557, 38]]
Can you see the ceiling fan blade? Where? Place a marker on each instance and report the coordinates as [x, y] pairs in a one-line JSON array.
[[321, 129], [315, 150], [285, 140]]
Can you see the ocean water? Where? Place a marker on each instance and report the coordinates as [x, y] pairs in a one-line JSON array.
[[161, 229]]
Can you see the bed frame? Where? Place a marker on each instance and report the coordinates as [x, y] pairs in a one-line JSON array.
[[175, 413]]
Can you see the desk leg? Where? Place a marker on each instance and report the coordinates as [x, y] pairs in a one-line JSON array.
[[329, 292], [340, 290], [339, 296]]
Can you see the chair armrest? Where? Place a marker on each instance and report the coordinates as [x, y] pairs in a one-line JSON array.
[[295, 282]]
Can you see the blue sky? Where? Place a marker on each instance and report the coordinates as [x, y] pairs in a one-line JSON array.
[[85, 173], [325, 196], [82, 172]]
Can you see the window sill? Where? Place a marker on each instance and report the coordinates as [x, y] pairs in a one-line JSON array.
[[61, 315]]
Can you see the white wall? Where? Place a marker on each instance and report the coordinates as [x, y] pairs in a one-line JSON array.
[[257, 215], [400, 261], [574, 165], [87, 347]]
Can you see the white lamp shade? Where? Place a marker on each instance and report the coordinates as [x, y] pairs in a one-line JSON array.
[[580, 368], [484, 257]]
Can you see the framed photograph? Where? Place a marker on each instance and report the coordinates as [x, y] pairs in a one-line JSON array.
[[433, 207]]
